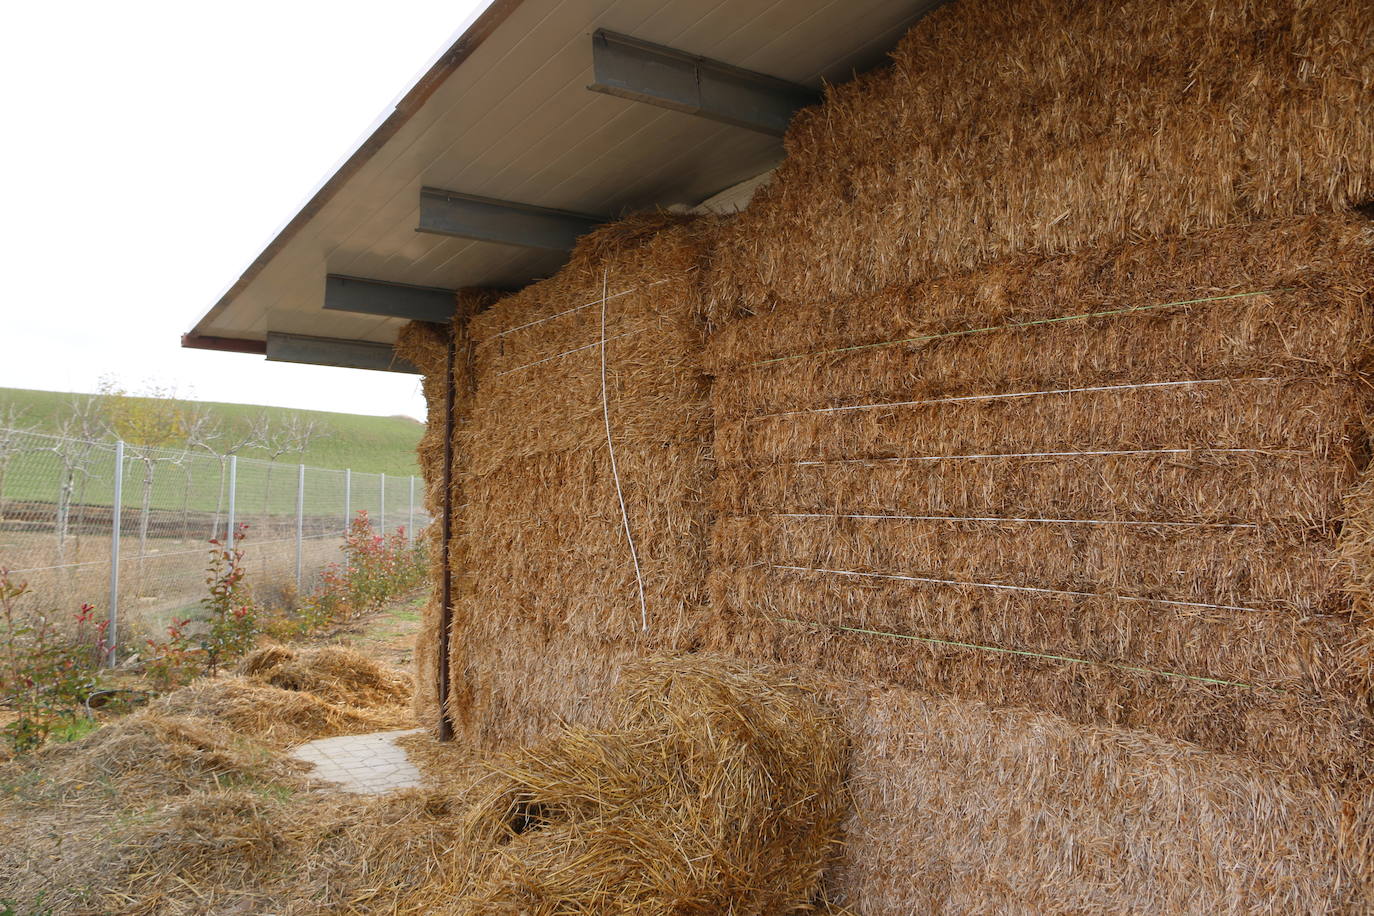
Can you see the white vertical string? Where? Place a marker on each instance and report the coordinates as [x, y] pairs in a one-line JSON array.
[[610, 445]]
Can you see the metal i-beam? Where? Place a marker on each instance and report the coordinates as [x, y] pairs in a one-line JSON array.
[[393, 300], [487, 220], [329, 351], [645, 72], [224, 344]]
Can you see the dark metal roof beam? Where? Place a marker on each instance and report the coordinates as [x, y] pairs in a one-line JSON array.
[[329, 351], [645, 72], [224, 344], [392, 300], [500, 221]]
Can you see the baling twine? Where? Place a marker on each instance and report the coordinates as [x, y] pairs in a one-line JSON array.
[[615, 472]]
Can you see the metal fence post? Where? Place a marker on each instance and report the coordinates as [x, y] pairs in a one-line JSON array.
[[233, 490], [300, 526], [348, 499], [382, 505], [410, 520], [116, 518]]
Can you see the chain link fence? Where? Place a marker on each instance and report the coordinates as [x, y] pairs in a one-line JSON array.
[[127, 528]]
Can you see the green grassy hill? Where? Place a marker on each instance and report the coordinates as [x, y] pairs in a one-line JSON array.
[[372, 444]]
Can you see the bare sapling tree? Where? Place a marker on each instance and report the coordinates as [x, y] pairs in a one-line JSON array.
[[278, 438], [13, 440], [75, 448], [207, 434], [150, 424]]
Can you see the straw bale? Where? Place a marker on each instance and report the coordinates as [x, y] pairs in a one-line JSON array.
[[963, 808], [1282, 568], [1050, 126], [1284, 334], [1326, 739], [1200, 486], [551, 519], [1355, 561], [1296, 299], [1269, 649], [540, 384], [1312, 416], [1283, 622]]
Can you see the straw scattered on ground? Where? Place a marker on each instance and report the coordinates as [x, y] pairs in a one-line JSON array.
[[717, 789]]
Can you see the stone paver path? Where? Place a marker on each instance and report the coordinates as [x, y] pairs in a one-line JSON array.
[[365, 764]]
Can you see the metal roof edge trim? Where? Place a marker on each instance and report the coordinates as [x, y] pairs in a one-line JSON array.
[[496, 12]]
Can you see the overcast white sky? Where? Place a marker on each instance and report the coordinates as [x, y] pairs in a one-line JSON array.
[[152, 149]]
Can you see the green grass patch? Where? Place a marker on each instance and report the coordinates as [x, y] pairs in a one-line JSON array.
[[73, 729], [375, 445], [368, 445]]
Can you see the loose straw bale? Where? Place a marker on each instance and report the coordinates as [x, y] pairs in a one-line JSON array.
[[717, 790], [1050, 126]]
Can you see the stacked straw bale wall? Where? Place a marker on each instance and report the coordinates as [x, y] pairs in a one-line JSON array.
[[1028, 410], [1048, 126], [1143, 505]]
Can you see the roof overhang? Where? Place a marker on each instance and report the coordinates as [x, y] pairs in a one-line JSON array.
[[498, 156]]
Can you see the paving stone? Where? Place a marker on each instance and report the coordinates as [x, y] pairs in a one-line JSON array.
[[364, 764]]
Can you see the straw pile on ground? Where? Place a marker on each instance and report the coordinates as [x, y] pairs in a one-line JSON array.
[[547, 596], [716, 789], [335, 674], [1049, 126]]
